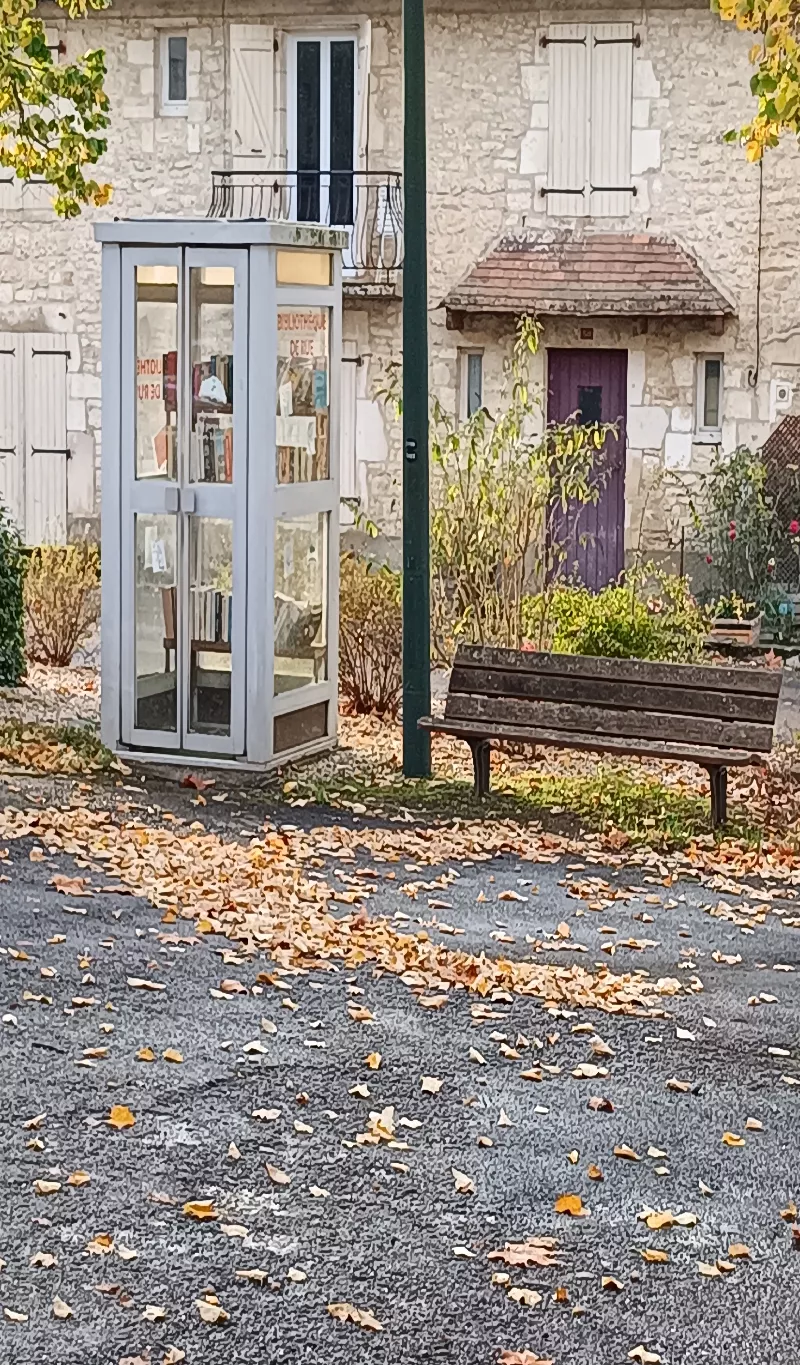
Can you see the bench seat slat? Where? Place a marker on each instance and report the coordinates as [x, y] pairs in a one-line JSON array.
[[618, 694], [607, 722], [760, 682], [558, 739]]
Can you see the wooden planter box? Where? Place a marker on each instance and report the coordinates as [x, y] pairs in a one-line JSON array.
[[727, 631]]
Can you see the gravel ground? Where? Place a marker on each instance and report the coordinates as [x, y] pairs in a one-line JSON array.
[[383, 1239]]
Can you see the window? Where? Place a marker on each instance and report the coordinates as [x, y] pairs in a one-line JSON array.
[[708, 421], [174, 78], [471, 382], [590, 120], [322, 127]]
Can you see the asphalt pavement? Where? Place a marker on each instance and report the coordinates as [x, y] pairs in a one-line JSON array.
[[384, 1228]]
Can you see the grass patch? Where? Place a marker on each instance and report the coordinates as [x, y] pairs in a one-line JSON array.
[[641, 807], [67, 749]]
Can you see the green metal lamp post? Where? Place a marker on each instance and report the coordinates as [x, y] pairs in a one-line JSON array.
[[416, 515]]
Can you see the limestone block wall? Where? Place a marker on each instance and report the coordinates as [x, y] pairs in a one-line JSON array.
[[488, 122]]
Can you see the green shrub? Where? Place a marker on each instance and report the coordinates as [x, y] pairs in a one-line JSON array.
[[648, 615], [370, 637], [62, 600], [12, 573]]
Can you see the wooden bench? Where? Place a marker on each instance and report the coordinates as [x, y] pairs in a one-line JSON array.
[[715, 717]]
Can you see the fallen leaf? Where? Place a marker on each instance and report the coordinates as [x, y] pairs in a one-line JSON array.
[[522, 1358], [644, 1356], [200, 1209], [710, 1271], [173, 1356], [682, 1087], [171, 1054], [46, 1186], [476, 1056], [571, 1204], [464, 1184], [754, 1126], [594, 1172], [359, 1013], [14, 1317], [600, 1105], [233, 1153], [346, 1312], [653, 1256], [139, 983], [295, 1275], [277, 1176], [373, 1061], [145, 1054], [45, 1259], [257, 1275], [266, 1115], [60, 1308], [431, 1085], [211, 1312], [626, 1154], [234, 1229], [101, 1244], [608, 1282], [527, 1296], [318, 1192], [732, 1140], [120, 1117], [738, 1251], [152, 1312], [539, 1251]]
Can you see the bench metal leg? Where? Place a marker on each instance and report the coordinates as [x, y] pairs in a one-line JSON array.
[[719, 796], [481, 755]]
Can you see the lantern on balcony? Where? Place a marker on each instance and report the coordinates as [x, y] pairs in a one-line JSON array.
[[220, 484]]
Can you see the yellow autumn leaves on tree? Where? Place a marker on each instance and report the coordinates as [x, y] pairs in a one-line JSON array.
[[776, 57], [52, 114]]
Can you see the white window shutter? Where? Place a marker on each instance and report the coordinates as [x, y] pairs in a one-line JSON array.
[[45, 397], [611, 119], [12, 484], [568, 158], [252, 96], [362, 94]]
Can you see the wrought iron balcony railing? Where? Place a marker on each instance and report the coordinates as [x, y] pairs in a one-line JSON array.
[[369, 204]]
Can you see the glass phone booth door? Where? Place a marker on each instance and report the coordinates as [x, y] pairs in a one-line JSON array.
[[184, 396]]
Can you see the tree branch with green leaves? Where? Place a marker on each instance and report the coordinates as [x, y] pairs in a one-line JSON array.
[[776, 79], [52, 116]]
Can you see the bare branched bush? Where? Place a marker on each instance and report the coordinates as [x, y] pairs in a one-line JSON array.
[[370, 637]]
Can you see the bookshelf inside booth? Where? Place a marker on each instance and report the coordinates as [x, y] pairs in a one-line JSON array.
[[220, 518]]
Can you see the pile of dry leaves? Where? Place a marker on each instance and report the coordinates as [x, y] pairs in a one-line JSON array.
[[262, 896]]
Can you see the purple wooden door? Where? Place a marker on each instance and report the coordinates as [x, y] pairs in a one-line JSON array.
[[591, 386]]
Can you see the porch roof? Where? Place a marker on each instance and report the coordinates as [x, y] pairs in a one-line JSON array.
[[612, 274]]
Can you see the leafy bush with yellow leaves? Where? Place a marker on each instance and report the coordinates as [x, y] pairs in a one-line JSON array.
[[62, 600]]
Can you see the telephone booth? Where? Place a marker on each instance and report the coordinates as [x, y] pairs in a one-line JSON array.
[[220, 488]]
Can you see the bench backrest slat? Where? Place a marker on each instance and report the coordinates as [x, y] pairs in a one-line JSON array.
[[726, 707], [761, 682]]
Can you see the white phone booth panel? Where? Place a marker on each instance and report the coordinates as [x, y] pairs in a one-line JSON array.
[[220, 516]]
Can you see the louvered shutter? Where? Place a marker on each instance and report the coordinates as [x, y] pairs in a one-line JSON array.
[[45, 399], [11, 457], [611, 119], [252, 96], [568, 157]]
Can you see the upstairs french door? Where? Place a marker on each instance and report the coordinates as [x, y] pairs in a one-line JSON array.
[[183, 511], [322, 128]]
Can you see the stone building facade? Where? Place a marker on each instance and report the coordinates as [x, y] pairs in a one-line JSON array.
[[546, 125]]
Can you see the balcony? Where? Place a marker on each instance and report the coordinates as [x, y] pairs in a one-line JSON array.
[[367, 204]]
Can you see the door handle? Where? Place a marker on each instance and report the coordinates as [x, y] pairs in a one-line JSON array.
[[187, 499], [171, 500]]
